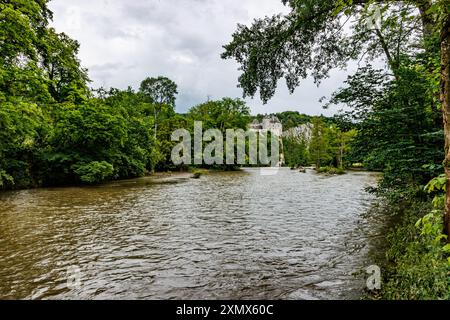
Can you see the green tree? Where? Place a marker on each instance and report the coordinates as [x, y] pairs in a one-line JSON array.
[[161, 93], [291, 119], [84, 134], [222, 114], [24, 130], [313, 38], [345, 140], [397, 131], [36, 63], [67, 79], [319, 147], [295, 152]]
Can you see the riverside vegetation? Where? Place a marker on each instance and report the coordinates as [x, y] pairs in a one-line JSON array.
[[57, 131]]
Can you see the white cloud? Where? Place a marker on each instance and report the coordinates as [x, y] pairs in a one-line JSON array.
[[122, 42]]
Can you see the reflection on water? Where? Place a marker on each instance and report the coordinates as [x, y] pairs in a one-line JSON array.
[[234, 235]]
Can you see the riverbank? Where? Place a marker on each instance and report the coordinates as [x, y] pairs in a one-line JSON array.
[[157, 176], [413, 264]]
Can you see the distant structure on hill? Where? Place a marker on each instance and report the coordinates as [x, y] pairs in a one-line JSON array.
[[269, 123], [272, 124], [301, 133]]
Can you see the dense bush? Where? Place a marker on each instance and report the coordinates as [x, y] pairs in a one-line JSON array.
[[296, 152], [416, 262], [94, 171]]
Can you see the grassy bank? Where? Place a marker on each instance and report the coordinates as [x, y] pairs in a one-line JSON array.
[[414, 265]]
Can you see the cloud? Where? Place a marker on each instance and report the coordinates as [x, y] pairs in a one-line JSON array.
[[123, 42]]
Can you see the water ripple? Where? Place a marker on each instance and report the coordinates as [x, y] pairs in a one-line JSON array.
[[234, 235]]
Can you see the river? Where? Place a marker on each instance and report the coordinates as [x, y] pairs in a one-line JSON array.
[[232, 235]]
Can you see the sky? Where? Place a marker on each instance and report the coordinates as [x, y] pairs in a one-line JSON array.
[[123, 42]]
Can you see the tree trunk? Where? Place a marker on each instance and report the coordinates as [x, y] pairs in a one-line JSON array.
[[445, 100], [428, 21]]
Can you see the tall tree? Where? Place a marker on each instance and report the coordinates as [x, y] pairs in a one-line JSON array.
[[319, 147], [161, 92], [36, 63], [222, 114], [67, 79]]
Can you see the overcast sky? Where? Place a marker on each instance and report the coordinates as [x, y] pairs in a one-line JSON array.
[[123, 42]]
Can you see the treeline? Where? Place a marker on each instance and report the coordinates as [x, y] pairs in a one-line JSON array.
[[112, 135], [323, 144], [292, 119], [56, 131]]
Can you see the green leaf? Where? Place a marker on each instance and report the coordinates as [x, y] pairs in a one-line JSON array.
[[446, 248]]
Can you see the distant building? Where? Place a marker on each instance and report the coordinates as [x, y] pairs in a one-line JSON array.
[[255, 125], [272, 124], [269, 123], [301, 133]]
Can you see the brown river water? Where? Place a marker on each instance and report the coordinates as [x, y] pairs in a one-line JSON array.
[[234, 235]]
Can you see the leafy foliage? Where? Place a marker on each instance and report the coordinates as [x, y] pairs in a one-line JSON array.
[[94, 171], [312, 39], [222, 114], [417, 266], [399, 131], [159, 90], [296, 152], [418, 257]]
